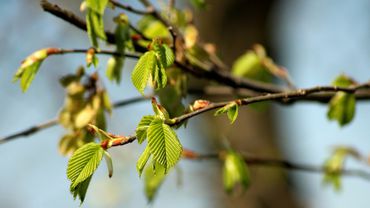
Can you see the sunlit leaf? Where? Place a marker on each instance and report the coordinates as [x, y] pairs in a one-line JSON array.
[[144, 67], [235, 172], [114, 69], [95, 27], [199, 4], [84, 162], [163, 143], [342, 106], [153, 177], [159, 110], [29, 67], [335, 164], [141, 130], [141, 162], [231, 109]]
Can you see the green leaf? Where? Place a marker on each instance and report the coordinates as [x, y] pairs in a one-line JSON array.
[[97, 6], [95, 27], [251, 65], [153, 28], [114, 69], [159, 110], [153, 177], [122, 32], [159, 77], [199, 4], [163, 143], [29, 67], [81, 189], [103, 135], [141, 73], [335, 164], [235, 172], [143, 160], [343, 81], [83, 163], [231, 109], [342, 108], [108, 160], [232, 113], [164, 53], [141, 130]]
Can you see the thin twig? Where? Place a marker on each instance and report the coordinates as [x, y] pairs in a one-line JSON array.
[[53, 122], [257, 161], [130, 8]]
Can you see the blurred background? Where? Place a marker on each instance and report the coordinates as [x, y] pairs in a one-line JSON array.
[[315, 40]]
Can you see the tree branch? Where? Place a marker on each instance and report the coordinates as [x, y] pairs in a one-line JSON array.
[[130, 8], [257, 161], [53, 122]]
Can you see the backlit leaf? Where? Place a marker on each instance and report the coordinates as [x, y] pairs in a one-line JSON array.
[[29, 67], [163, 143], [231, 109], [342, 108], [95, 27], [144, 67], [153, 177], [83, 163], [141, 162], [141, 130], [235, 172], [114, 69]]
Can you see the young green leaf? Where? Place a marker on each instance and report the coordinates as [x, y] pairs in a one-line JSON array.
[[29, 67], [199, 4], [141, 130], [141, 73], [232, 113], [140, 164], [334, 165], [114, 69], [154, 176], [81, 189], [231, 109], [91, 58], [159, 110], [251, 65], [163, 143], [83, 163], [97, 6], [342, 108], [164, 53], [235, 172], [108, 160], [95, 27], [159, 77]]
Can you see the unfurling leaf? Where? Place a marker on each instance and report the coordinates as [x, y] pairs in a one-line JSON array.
[[91, 58], [199, 4], [251, 65], [235, 172], [141, 130], [334, 165], [141, 162], [94, 21], [165, 54], [231, 109], [82, 166], [29, 67], [141, 73], [108, 160], [159, 110], [163, 143], [114, 69], [153, 177], [342, 106]]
